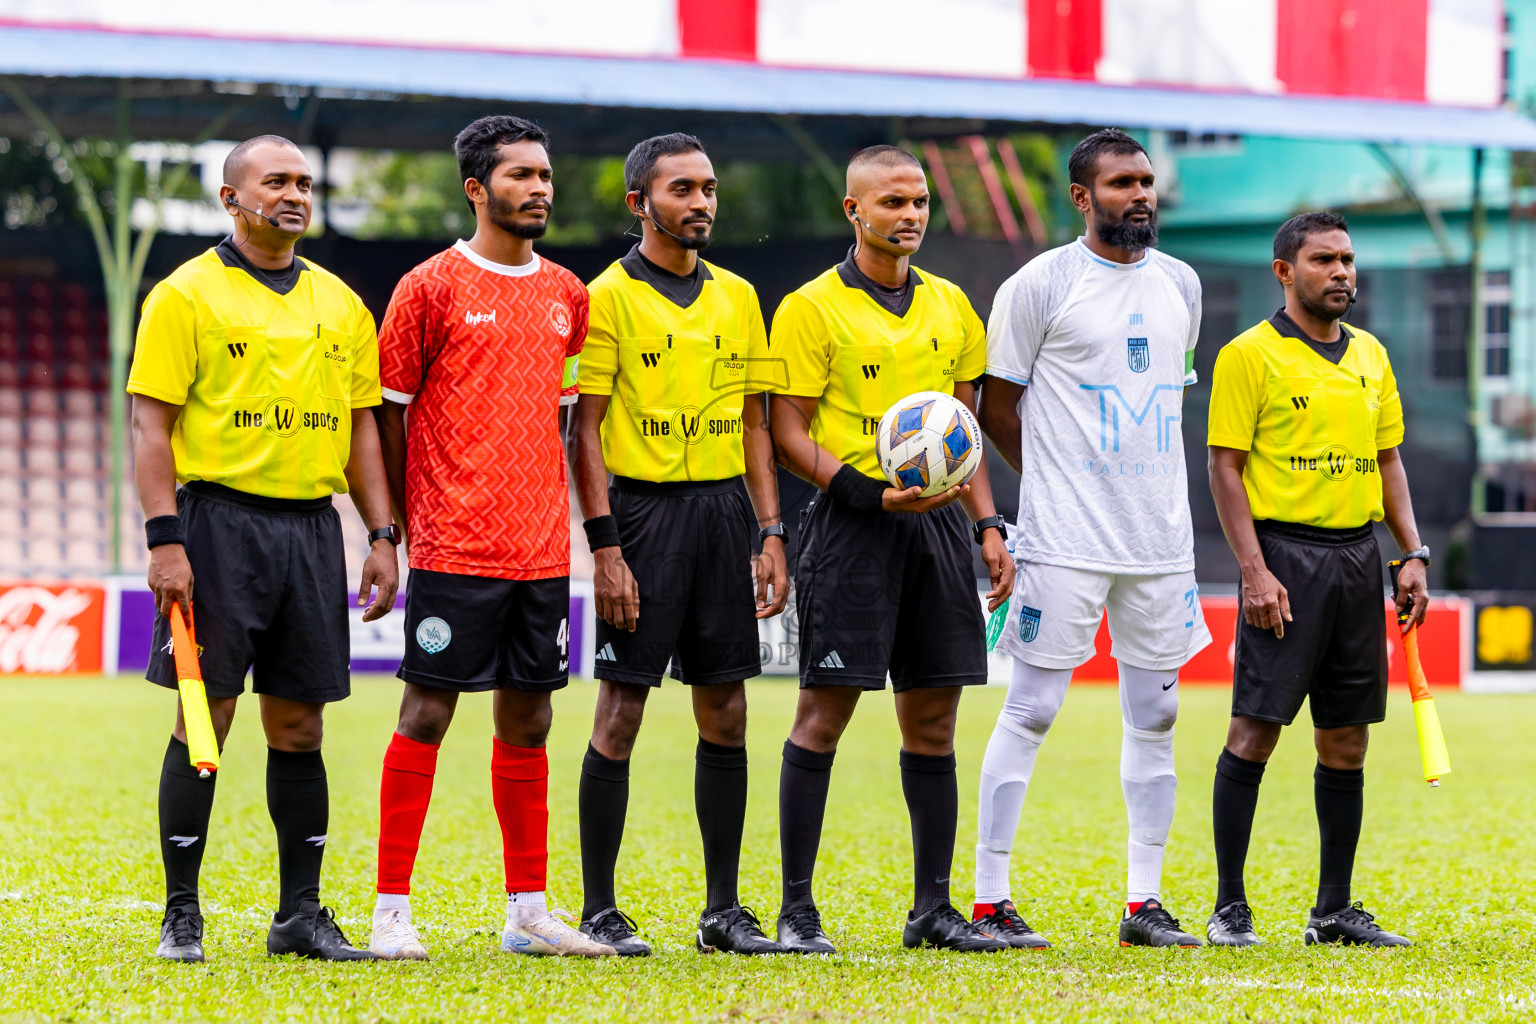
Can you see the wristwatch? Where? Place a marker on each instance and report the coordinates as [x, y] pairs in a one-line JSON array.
[[980, 526], [390, 533], [776, 530], [1421, 553]]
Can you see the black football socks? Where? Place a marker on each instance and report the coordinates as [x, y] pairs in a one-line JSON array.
[[186, 802], [720, 800], [602, 804], [1233, 801], [1340, 797], [803, 783], [298, 799], [933, 802]]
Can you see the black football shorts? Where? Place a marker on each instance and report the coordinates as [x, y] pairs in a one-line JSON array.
[[474, 633], [689, 546], [1334, 653], [886, 592], [269, 596]]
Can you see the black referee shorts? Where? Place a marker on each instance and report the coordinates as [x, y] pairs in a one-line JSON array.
[[474, 633], [269, 596], [690, 548], [887, 592], [1335, 648]]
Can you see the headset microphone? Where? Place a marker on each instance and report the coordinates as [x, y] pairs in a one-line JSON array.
[[230, 201], [863, 224], [687, 243], [1352, 293]]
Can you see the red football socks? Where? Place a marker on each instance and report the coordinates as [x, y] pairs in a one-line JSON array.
[[520, 790], [405, 790]]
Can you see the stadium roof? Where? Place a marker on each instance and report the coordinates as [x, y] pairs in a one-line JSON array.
[[616, 97]]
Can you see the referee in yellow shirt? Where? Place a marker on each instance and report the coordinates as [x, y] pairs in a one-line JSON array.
[[253, 381], [1305, 423], [671, 380], [884, 577]]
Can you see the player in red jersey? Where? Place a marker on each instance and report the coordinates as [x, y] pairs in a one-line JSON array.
[[478, 344]]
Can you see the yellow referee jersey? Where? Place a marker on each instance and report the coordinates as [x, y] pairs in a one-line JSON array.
[[267, 368], [676, 355], [843, 343], [1311, 427]]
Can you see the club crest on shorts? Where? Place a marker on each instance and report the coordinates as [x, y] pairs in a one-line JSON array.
[[1029, 623], [1137, 354], [433, 635]]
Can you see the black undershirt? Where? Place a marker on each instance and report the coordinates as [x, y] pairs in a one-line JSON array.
[[280, 281], [1333, 351], [681, 289], [893, 300]]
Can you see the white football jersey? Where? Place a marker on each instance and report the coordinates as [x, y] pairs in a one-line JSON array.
[[1105, 350]]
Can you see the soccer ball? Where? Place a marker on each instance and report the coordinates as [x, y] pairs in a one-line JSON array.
[[928, 440]]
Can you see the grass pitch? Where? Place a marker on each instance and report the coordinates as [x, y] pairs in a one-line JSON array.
[[80, 883]]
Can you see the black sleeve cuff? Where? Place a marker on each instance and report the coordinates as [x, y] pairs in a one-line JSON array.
[[857, 491], [164, 530], [602, 532]]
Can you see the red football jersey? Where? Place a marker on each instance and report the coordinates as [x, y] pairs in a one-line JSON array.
[[479, 350]]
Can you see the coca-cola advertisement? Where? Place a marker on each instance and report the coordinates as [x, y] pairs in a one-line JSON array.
[[50, 628]]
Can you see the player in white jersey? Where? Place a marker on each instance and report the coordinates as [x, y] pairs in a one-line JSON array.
[[1089, 349]]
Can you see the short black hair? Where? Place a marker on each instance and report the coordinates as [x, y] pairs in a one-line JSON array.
[[234, 163], [640, 165], [1083, 164], [1293, 233], [476, 146], [886, 156]]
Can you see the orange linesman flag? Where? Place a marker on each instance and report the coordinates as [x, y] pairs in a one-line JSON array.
[[1432, 751], [202, 745]]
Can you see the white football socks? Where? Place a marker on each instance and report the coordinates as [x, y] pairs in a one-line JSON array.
[[1149, 702], [388, 901], [526, 899], [1034, 697]]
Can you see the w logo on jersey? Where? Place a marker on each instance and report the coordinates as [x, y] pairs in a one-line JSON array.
[[1029, 623], [1137, 354]]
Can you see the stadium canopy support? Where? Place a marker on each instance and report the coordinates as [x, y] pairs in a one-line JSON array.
[[402, 98]]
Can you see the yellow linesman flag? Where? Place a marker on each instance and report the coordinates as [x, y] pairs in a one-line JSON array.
[[1432, 751], [202, 745]]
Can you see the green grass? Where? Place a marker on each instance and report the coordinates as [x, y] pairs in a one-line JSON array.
[[80, 883]]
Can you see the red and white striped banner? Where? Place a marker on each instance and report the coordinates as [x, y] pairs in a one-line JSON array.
[[1438, 51]]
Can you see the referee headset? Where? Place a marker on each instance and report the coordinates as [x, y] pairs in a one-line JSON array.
[[230, 201], [853, 215]]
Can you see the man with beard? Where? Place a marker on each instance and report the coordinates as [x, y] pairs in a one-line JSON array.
[[477, 346], [1089, 349], [884, 575], [671, 405], [1304, 432]]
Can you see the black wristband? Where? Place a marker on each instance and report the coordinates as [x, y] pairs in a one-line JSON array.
[[857, 491], [164, 530], [602, 532]]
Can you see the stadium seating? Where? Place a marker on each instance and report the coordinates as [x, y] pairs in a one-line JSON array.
[[55, 508]]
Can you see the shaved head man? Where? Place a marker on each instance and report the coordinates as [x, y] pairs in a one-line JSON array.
[[855, 340]]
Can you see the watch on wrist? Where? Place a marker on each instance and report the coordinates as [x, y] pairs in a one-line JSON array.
[[776, 530], [390, 533], [980, 526], [1421, 553]]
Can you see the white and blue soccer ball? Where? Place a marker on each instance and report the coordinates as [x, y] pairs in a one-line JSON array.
[[928, 440]]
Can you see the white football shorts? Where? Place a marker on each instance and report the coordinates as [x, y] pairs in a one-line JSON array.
[[1155, 622]]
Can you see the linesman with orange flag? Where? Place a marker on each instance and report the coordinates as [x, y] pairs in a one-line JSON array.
[[253, 380], [1305, 423]]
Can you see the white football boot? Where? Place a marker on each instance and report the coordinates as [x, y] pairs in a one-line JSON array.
[[539, 931], [394, 937]]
